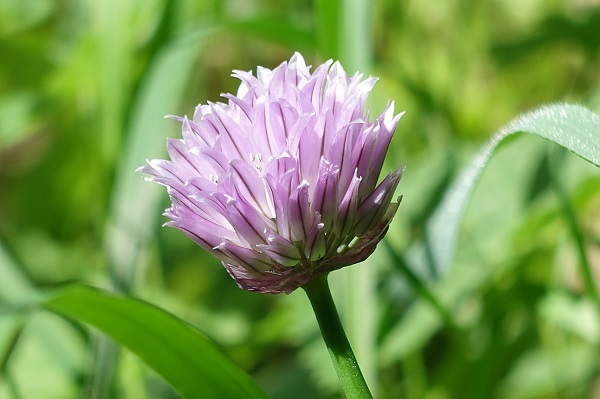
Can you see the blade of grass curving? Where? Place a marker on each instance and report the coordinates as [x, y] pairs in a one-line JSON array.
[[181, 354], [115, 56], [132, 215], [570, 126], [571, 218]]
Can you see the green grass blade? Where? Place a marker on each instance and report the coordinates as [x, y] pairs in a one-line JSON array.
[[134, 201], [570, 126], [133, 213], [115, 55], [183, 356], [571, 219]]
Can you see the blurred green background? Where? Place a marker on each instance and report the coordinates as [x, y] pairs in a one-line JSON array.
[[84, 86]]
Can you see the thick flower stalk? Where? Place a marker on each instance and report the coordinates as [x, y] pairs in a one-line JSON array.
[[281, 182]]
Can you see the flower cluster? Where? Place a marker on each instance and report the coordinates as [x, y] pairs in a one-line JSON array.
[[280, 182]]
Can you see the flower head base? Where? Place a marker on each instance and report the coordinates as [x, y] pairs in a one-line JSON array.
[[280, 183]]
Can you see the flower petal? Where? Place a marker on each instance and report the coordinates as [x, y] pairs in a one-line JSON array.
[[315, 247], [250, 226], [300, 216], [280, 250], [280, 180], [325, 196], [252, 187], [346, 212], [372, 209], [242, 256]]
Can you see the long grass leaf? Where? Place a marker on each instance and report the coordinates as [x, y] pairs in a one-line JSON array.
[[576, 233], [134, 201], [182, 355], [570, 126], [573, 127]]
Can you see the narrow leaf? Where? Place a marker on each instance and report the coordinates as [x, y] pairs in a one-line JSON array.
[[134, 201], [182, 355], [571, 126]]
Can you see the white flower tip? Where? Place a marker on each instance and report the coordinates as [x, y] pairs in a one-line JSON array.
[[389, 120], [297, 62]]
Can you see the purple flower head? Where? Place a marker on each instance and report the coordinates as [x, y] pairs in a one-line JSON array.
[[280, 182]]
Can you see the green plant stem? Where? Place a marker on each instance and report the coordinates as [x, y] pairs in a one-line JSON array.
[[351, 378]]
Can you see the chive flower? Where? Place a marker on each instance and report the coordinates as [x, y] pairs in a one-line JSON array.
[[280, 182]]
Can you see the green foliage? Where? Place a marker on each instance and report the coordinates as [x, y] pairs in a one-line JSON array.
[[575, 128], [483, 290], [187, 359]]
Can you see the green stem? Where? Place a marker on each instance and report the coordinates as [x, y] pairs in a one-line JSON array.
[[351, 378]]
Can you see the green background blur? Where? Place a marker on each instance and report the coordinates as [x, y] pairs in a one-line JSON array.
[[84, 86]]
